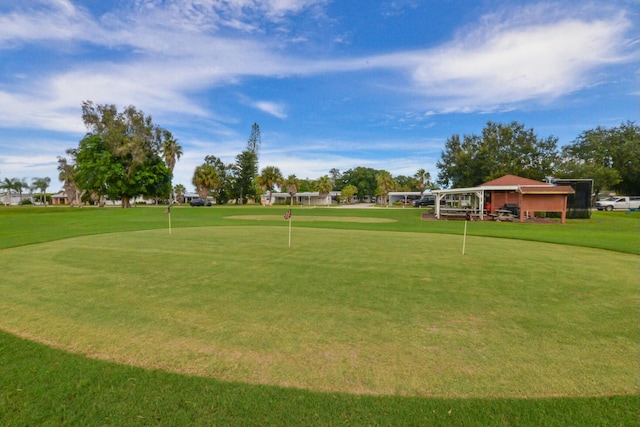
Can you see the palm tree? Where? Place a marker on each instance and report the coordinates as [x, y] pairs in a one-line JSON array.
[[324, 187], [424, 180], [67, 174], [8, 184], [269, 179], [171, 150], [206, 180], [19, 185], [291, 185], [385, 183], [41, 184], [179, 191]]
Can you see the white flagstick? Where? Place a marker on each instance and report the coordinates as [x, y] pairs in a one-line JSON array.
[[169, 223], [289, 230], [464, 240]]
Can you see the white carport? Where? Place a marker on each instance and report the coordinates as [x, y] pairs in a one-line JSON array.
[[404, 196]]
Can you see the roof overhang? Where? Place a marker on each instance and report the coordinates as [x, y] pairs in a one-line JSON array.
[[523, 189], [547, 189], [458, 190]]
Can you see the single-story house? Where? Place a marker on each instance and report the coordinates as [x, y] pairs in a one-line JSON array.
[[14, 198], [10, 198], [60, 198], [310, 198], [523, 196]]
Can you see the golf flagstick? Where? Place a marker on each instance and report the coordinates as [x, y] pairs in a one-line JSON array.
[[287, 216], [464, 239], [168, 212]]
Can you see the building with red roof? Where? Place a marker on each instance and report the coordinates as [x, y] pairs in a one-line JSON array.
[[521, 196]]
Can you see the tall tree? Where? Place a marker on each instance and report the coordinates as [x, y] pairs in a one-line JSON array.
[[227, 177], [324, 186], [364, 179], [290, 184], [128, 161], [306, 185], [67, 174], [41, 184], [205, 179], [246, 169], [19, 185], [269, 179], [179, 191], [611, 157], [335, 176], [96, 168], [255, 140], [423, 179], [171, 150], [499, 150], [9, 185], [404, 183], [384, 184]]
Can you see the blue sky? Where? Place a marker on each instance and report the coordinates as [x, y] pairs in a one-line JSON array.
[[332, 84]]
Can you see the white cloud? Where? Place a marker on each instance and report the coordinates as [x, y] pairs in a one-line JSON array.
[[275, 109], [48, 20], [32, 111], [501, 64], [532, 54], [247, 16]]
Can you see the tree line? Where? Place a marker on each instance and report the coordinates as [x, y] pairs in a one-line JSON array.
[[611, 157], [124, 155], [18, 185]]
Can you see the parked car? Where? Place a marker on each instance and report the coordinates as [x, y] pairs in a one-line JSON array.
[[618, 202], [425, 201], [200, 202]]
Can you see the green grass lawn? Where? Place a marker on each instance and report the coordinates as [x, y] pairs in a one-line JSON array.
[[372, 317]]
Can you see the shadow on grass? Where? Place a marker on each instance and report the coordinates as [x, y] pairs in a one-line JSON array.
[[40, 385]]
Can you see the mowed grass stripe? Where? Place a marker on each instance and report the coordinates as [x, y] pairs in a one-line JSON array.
[[341, 310], [313, 218]]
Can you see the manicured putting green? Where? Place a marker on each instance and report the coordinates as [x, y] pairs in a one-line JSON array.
[[341, 310], [311, 218]]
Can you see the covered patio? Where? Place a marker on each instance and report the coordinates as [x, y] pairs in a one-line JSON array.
[[508, 197]]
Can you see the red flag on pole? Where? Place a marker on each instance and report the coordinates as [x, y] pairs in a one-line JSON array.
[[288, 214]]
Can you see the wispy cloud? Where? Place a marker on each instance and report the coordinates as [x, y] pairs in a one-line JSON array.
[[46, 20], [507, 60], [521, 55], [273, 108]]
